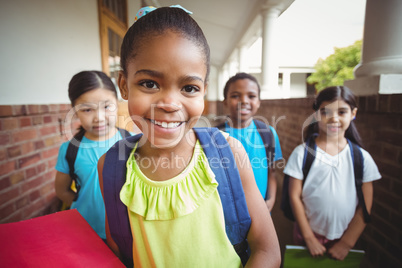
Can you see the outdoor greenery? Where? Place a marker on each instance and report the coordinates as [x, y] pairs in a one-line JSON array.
[[336, 68]]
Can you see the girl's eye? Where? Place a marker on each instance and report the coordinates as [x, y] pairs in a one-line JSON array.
[[234, 96], [191, 89], [149, 84], [86, 110], [251, 97]]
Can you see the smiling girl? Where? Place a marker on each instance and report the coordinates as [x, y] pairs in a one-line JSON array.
[[94, 100], [175, 212], [325, 205]]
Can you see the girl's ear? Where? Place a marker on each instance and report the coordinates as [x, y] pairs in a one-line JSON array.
[[354, 113], [122, 83]]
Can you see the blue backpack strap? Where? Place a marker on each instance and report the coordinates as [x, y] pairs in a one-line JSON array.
[[114, 177], [223, 164], [358, 167], [124, 133]]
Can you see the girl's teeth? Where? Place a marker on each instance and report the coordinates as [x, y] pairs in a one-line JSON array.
[[166, 125]]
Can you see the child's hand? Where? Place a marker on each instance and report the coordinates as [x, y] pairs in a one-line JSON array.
[[339, 250], [315, 247]]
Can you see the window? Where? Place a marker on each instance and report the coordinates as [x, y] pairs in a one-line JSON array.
[[113, 26]]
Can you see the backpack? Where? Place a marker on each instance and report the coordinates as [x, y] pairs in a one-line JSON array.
[[309, 156], [268, 140], [230, 189], [72, 151]]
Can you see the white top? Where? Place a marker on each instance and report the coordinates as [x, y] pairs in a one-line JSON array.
[[329, 192]]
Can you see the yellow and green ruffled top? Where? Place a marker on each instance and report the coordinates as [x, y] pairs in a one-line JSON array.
[[178, 222]]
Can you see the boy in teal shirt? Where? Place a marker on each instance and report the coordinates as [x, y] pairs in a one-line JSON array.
[[242, 99]]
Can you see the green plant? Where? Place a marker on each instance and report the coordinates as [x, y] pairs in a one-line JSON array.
[[336, 68]]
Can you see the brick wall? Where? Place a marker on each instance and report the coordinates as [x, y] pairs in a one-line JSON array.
[[379, 121], [30, 136]]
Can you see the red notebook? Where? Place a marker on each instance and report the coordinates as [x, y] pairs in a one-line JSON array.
[[62, 239]]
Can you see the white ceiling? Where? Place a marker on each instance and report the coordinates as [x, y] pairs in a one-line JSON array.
[[224, 22]]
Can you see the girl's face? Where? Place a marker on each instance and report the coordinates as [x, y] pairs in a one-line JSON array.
[[242, 100], [97, 111], [165, 88], [335, 118]]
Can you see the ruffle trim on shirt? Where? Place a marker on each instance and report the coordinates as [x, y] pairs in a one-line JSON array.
[[173, 198]]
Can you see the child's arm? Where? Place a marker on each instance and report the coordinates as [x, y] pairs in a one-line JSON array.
[[63, 188], [262, 237], [356, 226], [295, 195], [272, 184], [112, 245]]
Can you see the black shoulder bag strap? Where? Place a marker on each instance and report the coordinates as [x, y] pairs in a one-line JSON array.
[[71, 155], [358, 167], [309, 156]]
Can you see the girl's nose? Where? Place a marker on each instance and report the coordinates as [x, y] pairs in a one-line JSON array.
[[100, 115], [169, 102]]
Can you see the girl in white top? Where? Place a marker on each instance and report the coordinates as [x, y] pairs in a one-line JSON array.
[[328, 218]]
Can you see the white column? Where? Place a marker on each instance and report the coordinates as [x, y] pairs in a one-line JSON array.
[[269, 62], [286, 84], [242, 59], [380, 69]]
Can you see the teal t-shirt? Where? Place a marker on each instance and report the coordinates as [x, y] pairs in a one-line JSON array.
[[254, 146], [90, 202]]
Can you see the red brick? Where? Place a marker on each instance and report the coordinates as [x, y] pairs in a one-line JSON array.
[[17, 177], [54, 108], [52, 162], [50, 153], [20, 110], [44, 108], [9, 123], [31, 172], [3, 154], [6, 110], [27, 148], [14, 151], [34, 195], [47, 188], [33, 109], [50, 175], [4, 183], [29, 160], [22, 202], [25, 122], [45, 131], [39, 145], [37, 120], [14, 217], [33, 208], [4, 138], [41, 168], [7, 210], [23, 135], [47, 119], [7, 168], [9, 195], [32, 184]]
